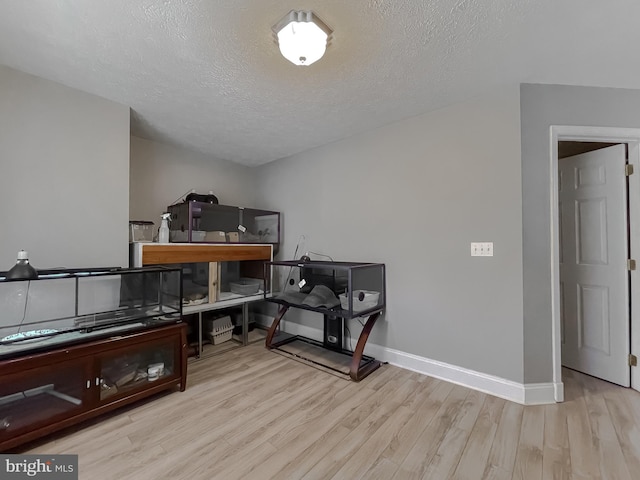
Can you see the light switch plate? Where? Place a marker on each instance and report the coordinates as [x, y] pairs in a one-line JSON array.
[[482, 249]]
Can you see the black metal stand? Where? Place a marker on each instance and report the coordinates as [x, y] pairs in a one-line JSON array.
[[361, 365]]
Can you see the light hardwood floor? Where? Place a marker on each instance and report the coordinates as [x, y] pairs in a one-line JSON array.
[[254, 414]]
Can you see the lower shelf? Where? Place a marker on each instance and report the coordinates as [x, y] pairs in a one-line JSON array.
[[208, 349], [360, 365], [314, 353], [35, 409]]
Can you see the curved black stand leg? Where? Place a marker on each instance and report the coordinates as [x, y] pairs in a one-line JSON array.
[[274, 326], [356, 372]]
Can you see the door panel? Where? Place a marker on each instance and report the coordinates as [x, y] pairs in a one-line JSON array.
[[591, 218], [590, 175], [593, 318], [593, 268]]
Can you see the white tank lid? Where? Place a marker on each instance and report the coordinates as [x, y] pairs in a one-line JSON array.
[[23, 255]]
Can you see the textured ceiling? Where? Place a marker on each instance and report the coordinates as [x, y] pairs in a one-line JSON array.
[[206, 75]]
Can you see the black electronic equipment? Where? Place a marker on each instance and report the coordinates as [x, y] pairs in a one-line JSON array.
[[333, 332]]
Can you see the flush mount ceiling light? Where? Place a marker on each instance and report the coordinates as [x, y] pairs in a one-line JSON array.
[[302, 37]]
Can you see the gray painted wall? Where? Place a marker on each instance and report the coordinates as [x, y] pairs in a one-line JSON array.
[[64, 179], [414, 195], [454, 177], [541, 107], [160, 174]]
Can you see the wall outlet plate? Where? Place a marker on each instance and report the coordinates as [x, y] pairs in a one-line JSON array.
[[482, 249]]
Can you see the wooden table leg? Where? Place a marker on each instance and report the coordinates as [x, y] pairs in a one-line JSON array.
[[274, 325], [356, 373]]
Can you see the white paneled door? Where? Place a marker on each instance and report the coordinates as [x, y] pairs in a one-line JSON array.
[[594, 280]]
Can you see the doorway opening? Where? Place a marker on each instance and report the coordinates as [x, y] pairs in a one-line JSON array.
[[568, 141], [594, 248]]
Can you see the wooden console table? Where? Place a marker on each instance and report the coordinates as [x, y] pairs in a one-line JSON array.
[[44, 392]]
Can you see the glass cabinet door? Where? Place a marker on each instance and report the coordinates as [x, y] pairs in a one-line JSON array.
[[125, 370], [39, 396]]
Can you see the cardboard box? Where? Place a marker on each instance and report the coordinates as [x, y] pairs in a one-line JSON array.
[[215, 236]]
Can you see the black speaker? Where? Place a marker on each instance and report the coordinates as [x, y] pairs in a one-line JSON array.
[[333, 332]]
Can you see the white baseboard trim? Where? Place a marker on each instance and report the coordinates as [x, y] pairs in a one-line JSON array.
[[526, 394], [559, 391], [541, 393]]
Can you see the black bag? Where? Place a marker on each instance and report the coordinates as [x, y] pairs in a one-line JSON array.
[[199, 197]]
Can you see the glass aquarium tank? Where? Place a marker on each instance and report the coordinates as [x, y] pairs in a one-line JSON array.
[[341, 289], [70, 306], [212, 223]]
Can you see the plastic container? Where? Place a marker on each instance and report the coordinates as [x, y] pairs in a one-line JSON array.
[[155, 371], [221, 330], [140, 231], [22, 270], [183, 237], [362, 300], [245, 286]]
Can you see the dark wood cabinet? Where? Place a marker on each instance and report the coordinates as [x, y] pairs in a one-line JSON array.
[[45, 392]]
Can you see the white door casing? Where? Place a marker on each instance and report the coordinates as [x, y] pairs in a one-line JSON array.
[[634, 240], [594, 294], [574, 133]]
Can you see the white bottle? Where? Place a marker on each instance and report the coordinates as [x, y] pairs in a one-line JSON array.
[[163, 234]]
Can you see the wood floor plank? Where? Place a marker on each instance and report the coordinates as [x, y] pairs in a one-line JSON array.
[[583, 454], [382, 469], [340, 454], [493, 472], [454, 442], [251, 414], [446, 458], [627, 429], [477, 449], [360, 461], [632, 400], [288, 410], [347, 407], [407, 435], [426, 446], [286, 464], [307, 442], [528, 464], [99, 432], [132, 459], [504, 447], [611, 462], [556, 457], [235, 465], [468, 414], [384, 375]]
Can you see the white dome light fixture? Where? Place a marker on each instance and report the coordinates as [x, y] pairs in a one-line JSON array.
[[302, 37]]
